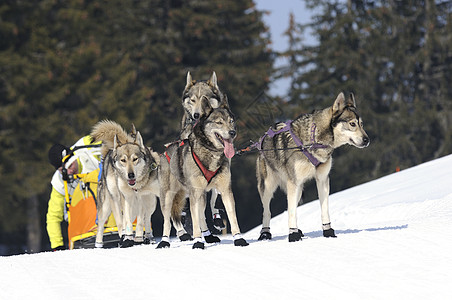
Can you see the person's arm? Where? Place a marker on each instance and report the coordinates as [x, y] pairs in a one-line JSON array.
[[55, 215]]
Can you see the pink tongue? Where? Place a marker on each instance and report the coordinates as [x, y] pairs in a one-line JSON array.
[[228, 148]]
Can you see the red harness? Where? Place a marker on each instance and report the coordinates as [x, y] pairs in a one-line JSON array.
[[208, 175]]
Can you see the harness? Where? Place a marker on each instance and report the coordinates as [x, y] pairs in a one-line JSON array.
[[208, 175], [314, 145]]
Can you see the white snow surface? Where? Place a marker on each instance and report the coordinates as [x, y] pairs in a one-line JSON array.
[[394, 242]]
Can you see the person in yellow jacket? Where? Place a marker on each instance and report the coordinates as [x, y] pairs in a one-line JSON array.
[[83, 161]]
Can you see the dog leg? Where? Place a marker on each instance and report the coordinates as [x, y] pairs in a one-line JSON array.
[[103, 211], [229, 204], [140, 210], [127, 217], [195, 208], [323, 188], [217, 220], [117, 214], [166, 202], [293, 197], [208, 236], [149, 211], [266, 186]]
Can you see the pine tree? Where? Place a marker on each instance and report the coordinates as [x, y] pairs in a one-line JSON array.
[[393, 56], [65, 65]]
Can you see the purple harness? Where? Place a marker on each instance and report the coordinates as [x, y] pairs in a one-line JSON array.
[[314, 145]]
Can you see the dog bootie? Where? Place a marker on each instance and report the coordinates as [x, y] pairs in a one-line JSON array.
[[210, 238], [127, 243], [265, 234], [329, 233], [198, 244], [295, 236], [218, 222], [239, 241], [185, 237]]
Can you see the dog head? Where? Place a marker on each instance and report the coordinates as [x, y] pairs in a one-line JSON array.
[[220, 129], [130, 159], [201, 97], [347, 124]]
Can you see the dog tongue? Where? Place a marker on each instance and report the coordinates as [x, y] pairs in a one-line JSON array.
[[228, 148]]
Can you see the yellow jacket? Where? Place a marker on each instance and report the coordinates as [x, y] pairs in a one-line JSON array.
[[88, 160]]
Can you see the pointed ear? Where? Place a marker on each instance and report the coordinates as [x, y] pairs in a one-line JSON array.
[[116, 142], [139, 140], [339, 104], [224, 102], [133, 131], [213, 80], [189, 82], [351, 101]]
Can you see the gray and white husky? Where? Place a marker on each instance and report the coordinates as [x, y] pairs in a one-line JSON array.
[[129, 182], [199, 98], [195, 166], [293, 152]]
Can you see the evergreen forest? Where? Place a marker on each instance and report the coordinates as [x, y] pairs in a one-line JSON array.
[[65, 65]]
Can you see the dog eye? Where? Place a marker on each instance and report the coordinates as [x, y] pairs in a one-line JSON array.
[[353, 124], [123, 160]]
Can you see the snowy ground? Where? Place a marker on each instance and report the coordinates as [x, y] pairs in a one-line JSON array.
[[394, 242]]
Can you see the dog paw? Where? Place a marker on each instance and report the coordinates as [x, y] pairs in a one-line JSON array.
[[127, 243], [240, 242], [186, 237], [295, 236], [163, 244], [198, 245], [218, 224], [212, 239], [148, 241], [265, 236], [329, 233]]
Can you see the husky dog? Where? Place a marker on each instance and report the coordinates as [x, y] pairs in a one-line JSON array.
[[198, 100], [195, 166], [129, 182], [299, 150]]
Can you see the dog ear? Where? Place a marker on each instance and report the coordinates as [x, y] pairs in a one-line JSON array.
[[213, 81], [133, 131], [189, 82], [139, 140], [339, 104], [116, 142], [351, 101], [224, 102]]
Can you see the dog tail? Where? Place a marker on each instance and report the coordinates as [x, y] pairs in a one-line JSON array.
[[178, 205], [105, 131]]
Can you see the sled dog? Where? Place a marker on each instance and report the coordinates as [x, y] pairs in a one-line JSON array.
[[129, 182], [295, 151], [193, 167], [199, 98]]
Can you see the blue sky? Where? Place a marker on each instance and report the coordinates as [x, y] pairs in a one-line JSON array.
[[278, 22]]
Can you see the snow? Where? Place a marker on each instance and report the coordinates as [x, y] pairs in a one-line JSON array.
[[394, 242]]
